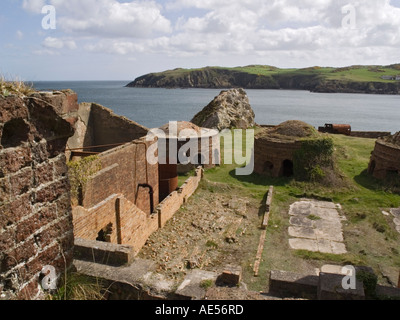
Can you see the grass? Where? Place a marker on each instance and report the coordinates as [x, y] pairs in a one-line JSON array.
[[370, 236], [14, 87], [76, 286], [352, 74]]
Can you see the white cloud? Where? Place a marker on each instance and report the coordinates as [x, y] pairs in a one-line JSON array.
[[302, 31], [106, 18], [56, 43], [19, 34]]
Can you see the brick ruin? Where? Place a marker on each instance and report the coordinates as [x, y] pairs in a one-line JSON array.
[[35, 211], [385, 159], [40, 215], [274, 147], [186, 136]]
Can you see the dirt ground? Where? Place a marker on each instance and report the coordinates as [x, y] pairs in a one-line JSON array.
[[214, 229]]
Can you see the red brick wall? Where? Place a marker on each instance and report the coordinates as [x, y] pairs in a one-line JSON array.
[[123, 170], [35, 212], [273, 151], [174, 201], [134, 226], [131, 225]]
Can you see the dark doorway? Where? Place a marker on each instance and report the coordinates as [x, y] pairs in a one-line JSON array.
[[104, 234], [287, 168]]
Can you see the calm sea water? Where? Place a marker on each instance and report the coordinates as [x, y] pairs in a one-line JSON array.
[[155, 107]]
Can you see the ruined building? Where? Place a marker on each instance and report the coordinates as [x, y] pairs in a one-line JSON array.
[[385, 159], [186, 138], [35, 209], [76, 174], [275, 147]]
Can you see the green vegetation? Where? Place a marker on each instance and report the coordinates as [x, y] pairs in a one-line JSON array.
[[206, 284], [75, 286], [353, 73], [15, 87], [79, 174], [370, 237], [367, 79], [313, 159]]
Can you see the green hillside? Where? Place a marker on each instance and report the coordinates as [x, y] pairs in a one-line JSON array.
[[353, 79]]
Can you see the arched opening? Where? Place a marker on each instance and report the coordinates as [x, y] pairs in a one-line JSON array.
[[287, 168], [15, 132]]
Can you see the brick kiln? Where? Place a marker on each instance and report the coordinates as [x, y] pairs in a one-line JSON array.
[[385, 159], [274, 147], [183, 136]]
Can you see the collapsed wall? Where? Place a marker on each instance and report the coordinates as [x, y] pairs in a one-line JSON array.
[[35, 213], [121, 197]]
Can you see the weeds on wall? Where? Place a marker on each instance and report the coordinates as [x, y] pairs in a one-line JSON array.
[[15, 87], [312, 161], [79, 174]]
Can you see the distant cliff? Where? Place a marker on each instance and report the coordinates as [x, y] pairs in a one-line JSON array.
[[357, 79]]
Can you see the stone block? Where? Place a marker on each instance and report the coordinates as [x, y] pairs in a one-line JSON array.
[[231, 276], [289, 284], [330, 287], [102, 252], [387, 292], [191, 289]]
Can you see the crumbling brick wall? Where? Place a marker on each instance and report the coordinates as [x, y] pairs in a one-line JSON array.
[[170, 205], [385, 159], [35, 213], [123, 195]]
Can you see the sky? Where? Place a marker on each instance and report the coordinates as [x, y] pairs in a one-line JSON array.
[[121, 40]]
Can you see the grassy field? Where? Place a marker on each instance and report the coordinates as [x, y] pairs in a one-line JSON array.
[[353, 73], [370, 236]]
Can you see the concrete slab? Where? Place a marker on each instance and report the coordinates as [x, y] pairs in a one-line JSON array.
[[301, 208], [301, 221], [190, 288], [324, 246], [395, 212], [338, 247], [324, 233], [324, 204], [330, 234], [302, 232], [326, 214], [303, 244], [328, 224], [334, 269]]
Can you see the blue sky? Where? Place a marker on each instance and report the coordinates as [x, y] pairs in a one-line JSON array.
[[121, 40]]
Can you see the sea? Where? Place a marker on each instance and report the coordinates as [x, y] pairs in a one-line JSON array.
[[154, 107]]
